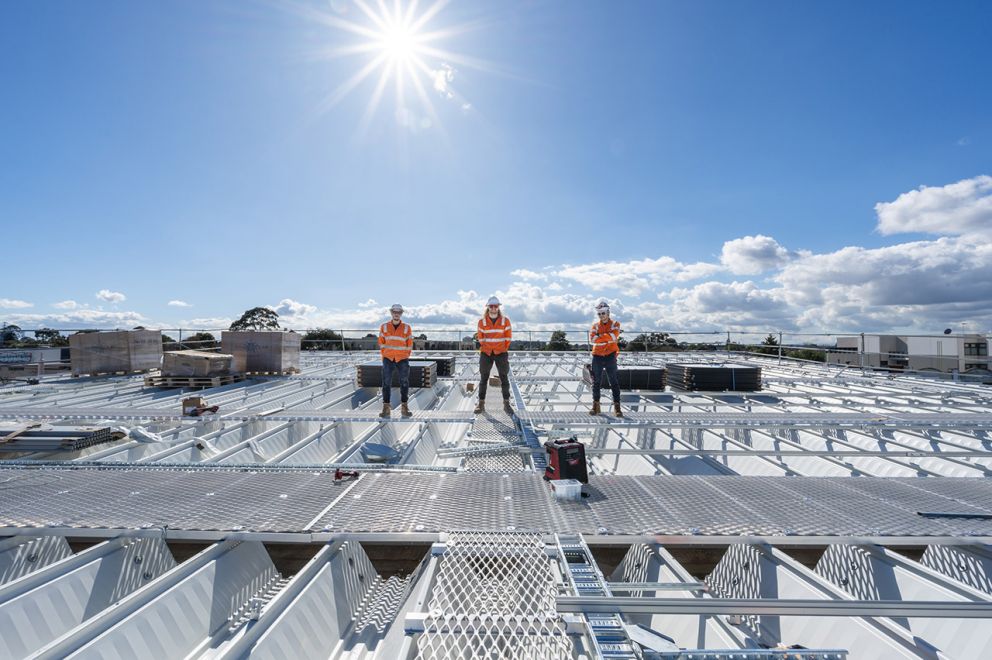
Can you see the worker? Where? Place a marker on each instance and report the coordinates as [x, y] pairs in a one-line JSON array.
[[395, 344], [604, 337], [494, 334]]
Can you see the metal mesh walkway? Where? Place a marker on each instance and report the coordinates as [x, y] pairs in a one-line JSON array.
[[222, 501], [494, 598]]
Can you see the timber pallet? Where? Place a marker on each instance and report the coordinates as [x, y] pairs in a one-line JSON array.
[[94, 374], [192, 382], [288, 372]]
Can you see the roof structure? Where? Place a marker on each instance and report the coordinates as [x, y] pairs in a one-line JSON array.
[[832, 513]]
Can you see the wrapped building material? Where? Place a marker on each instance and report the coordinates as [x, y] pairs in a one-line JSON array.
[[270, 352], [196, 363], [93, 353]]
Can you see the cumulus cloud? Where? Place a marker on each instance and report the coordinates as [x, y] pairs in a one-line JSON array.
[[527, 275], [66, 304], [178, 303], [368, 304], [442, 78], [290, 307], [633, 277], [956, 209], [80, 318], [752, 255], [107, 295], [8, 303], [734, 305], [207, 323]]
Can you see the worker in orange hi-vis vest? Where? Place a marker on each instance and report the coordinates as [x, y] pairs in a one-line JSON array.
[[605, 337], [395, 344], [494, 335]]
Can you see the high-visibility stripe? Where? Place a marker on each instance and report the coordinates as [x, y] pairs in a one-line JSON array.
[[493, 341]]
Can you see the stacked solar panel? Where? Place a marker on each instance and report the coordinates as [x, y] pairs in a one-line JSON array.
[[714, 378], [422, 374], [631, 378]]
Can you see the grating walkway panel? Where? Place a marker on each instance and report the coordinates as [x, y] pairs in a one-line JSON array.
[[494, 598]]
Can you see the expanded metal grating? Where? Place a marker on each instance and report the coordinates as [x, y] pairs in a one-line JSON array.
[[494, 598]]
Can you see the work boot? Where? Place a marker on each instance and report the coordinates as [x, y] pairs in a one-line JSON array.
[[616, 409], [595, 408], [507, 408], [386, 410], [405, 410], [480, 407]]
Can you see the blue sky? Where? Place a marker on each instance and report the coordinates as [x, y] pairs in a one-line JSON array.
[[700, 165]]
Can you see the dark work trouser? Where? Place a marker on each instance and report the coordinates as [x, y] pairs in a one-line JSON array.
[[502, 362], [609, 363], [403, 369]]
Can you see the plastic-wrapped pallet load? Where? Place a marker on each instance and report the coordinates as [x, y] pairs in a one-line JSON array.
[[422, 374], [197, 364], [714, 377], [93, 353], [262, 351], [631, 377]]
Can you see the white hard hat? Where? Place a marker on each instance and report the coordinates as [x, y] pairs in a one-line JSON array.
[[603, 306], [396, 308], [493, 300]]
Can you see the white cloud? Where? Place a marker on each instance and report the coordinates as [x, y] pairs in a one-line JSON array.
[[207, 323], [751, 255], [8, 303], [633, 277], [442, 79], [111, 296], [80, 318], [66, 304], [178, 303], [958, 208], [291, 308], [527, 275], [368, 304]]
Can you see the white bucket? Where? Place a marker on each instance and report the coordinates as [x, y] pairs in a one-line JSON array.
[[567, 489]]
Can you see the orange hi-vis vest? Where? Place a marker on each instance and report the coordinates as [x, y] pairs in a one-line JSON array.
[[395, 341], [604, 337], [494, 336]]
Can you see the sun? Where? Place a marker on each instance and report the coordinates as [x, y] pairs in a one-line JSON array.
[[400, 49], [399, 43]]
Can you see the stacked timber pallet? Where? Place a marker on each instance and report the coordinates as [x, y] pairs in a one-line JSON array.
[[191, 382], [714, 377], [45, 437], [96, 353], [631, 378], [262, 352], [422, 374]]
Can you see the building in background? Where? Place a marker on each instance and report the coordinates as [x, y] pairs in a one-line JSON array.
[[946, 354]]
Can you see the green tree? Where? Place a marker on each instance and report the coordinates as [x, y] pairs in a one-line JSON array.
[[169, 344], [769, 345], [653, 341], [200, 341], [322, 339], [10, 333], [808, 354], [51, 337], [558, 341], [257, 318]]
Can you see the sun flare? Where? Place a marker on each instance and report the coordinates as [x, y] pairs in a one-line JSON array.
[[400, 51]]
